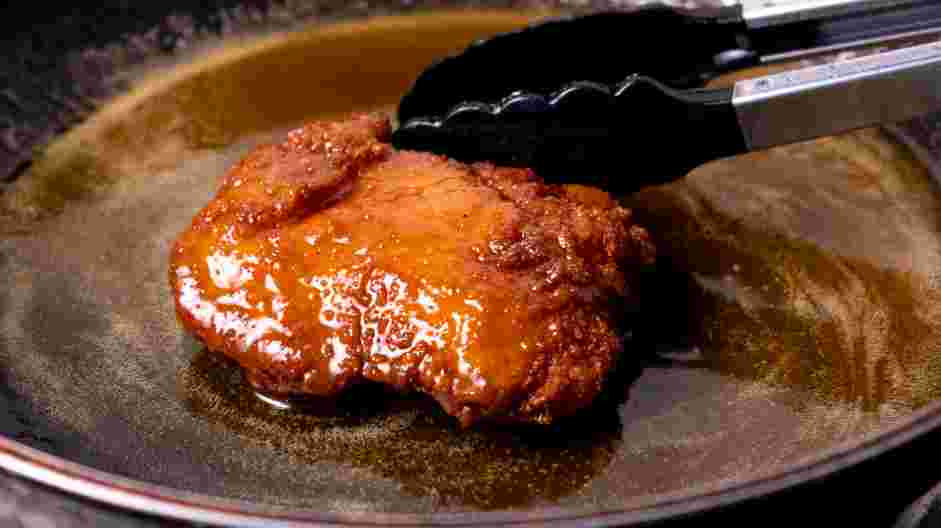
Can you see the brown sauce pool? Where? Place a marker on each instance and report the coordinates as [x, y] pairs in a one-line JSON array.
[[795, 308]]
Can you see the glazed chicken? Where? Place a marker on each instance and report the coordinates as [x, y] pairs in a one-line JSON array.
[[333, 259]]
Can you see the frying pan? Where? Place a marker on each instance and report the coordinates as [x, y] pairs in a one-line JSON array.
[[106, 400]]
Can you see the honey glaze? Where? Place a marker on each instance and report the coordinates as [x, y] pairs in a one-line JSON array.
[[331, 259]]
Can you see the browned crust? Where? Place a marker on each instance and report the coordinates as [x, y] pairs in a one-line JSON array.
[[559, 261]]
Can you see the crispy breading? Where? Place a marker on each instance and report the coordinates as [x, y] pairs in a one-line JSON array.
[[332, 258]]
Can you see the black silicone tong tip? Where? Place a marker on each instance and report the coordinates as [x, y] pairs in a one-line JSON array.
[[620, 137], [601, 48]]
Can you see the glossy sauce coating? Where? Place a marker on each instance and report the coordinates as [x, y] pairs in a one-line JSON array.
[[332, 258]]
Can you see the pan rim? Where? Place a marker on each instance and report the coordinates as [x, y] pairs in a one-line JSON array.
[[139, 496]]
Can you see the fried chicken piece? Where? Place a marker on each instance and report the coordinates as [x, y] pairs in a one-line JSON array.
[[333, 258]]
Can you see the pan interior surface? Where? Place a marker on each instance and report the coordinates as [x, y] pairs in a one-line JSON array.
[[794, 310]]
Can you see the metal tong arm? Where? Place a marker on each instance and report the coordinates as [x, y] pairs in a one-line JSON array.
[[789, 29], [763, 13], [832, 98]]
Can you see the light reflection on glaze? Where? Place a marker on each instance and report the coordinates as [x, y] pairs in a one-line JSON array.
[[388, 306], [388, 311], [271, 285], [373, 318], [464, 329], [278, 306], [229, 236], [340, 354], [245, 328], [238, 298], [279, 351], [334, 299], [229, 271], [427, 302]]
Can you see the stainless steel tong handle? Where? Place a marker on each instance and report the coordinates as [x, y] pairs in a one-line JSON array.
[[763, 13], [832, 98]]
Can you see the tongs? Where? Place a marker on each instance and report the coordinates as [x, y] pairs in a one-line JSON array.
[[581, 116]]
